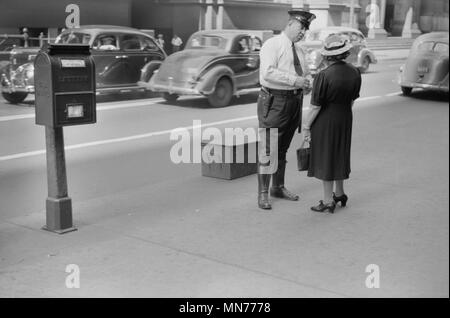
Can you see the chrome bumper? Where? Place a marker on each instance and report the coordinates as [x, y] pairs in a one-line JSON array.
[[8, 87], [424, 86]]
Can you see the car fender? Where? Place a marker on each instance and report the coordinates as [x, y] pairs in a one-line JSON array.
[[445, 83], [366, 52], [148, 70], [210, 77]]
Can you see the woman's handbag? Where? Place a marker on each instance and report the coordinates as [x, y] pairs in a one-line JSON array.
[[303, 157]]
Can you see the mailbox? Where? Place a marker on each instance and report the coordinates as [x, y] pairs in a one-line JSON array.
[[64, 86]]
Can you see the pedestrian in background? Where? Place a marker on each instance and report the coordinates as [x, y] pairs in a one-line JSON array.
[[284, 76], [160, 41], [176, 43], [328, 126]]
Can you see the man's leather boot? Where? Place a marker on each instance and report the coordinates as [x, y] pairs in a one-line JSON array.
[[263, 191], [278, 190]]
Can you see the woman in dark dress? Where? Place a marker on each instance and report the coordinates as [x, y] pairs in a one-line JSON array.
[[328, 126]]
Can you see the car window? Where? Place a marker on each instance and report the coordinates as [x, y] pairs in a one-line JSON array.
[[147, 43], [425, 46], [130, 42], [441, 47], [256, 44], [206, 41], [243, 45], [73, 38], [346, 36], [105, 42]]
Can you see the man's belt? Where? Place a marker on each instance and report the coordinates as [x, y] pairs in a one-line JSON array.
[[284, 92]]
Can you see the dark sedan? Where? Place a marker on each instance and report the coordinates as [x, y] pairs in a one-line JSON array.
[[122, 57], [217, 64]]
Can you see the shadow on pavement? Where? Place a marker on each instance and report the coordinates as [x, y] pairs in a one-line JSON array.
[[117, 97], [430, 96], [202, 102]]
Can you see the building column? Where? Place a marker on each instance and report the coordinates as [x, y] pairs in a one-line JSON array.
[[208, 15], [376, 30], [382, 13], [353, 7], [409, 21], [219, 19]]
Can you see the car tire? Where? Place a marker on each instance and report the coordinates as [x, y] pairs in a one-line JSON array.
[[223, 92], [15, 98], [365, 64], [170, 97], [406, 90]]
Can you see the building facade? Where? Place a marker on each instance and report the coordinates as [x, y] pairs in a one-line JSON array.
[[375, 18], [406, 18]]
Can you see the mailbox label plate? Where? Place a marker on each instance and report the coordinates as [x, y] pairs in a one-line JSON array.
[[72, 63]]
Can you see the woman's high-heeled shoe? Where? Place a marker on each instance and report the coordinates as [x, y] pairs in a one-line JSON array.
[[324, 207], [343, 199]]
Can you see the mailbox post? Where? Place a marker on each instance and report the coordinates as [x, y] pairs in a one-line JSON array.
[[65, 95]]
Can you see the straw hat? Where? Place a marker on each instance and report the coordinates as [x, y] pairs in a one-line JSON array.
[[335, 45]]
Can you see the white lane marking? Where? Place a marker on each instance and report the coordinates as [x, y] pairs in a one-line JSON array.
[[368, 98], [16, 117], [393, 94], [140, 103], [156, 133], [122, 139]]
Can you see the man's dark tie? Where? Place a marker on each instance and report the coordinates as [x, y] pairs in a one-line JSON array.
[[297, 65]]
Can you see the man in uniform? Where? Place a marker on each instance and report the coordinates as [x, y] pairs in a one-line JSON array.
[[284, 78]]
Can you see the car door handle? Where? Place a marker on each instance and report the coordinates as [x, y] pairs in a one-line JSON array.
[[121, 56]]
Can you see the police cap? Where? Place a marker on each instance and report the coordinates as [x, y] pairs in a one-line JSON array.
[[304, 17]]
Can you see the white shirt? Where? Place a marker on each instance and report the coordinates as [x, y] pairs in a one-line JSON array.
[[277, 69]]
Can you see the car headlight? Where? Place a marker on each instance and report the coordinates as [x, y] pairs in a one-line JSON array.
[[29, 73]]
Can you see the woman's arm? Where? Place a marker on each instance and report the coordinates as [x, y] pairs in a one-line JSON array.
[[310, 117]]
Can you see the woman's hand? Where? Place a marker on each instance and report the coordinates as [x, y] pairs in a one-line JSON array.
[[306, 135]]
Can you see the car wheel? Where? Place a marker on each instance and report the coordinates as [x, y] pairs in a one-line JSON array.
[[170, 97], [365, 64], [223, 92], [14, 98], [406, 90]]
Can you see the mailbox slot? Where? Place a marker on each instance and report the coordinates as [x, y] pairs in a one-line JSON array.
[[74, 109]]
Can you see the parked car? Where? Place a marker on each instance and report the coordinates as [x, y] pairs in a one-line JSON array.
[[123, 56], [17, 76], [360, 56], [427, 64], [216, 63]]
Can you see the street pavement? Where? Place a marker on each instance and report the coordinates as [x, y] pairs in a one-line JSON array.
[[151, 228]]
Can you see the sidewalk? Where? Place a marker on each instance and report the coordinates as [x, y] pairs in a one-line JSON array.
[[205, 237]]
